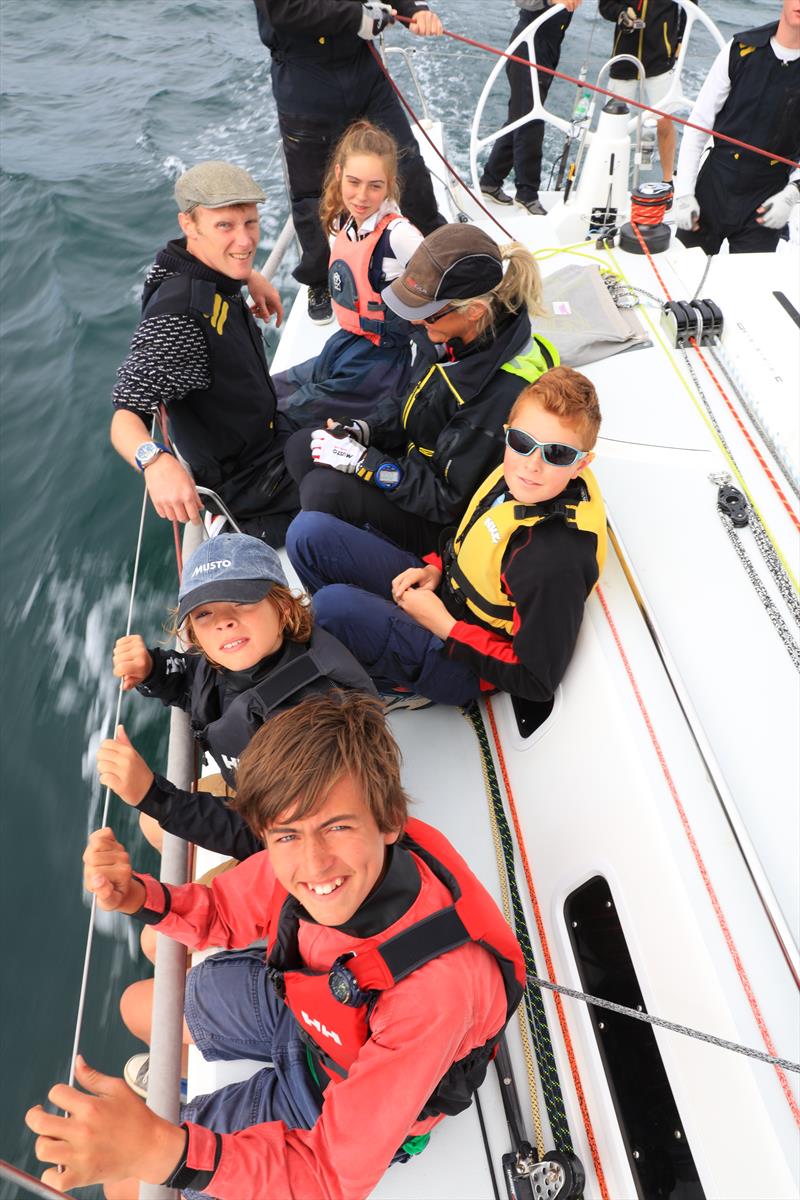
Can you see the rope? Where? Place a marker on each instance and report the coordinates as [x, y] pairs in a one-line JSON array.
[[703, 408], [176, 534], [493, 800], [593, 87], [106, 802], [672, 1026], [534, 1004], [701, 866], [576, 1079], [431, 142]]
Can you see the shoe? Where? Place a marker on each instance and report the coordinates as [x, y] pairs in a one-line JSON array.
[[534, 207], [394, 701], [496, 193], [319, 304], [136, 1074], [214, 522]]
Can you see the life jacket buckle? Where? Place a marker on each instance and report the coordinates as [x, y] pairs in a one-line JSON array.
[[277, 981]]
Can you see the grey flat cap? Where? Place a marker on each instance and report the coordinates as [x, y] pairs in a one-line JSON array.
[[216, 184]]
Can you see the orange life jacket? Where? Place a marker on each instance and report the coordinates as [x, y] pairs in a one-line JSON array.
[[334, 1019], [358, 307]]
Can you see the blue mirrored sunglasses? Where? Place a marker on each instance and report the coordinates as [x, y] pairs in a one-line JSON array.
[[554, 453]]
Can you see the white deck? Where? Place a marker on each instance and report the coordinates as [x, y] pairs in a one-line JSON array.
[[670, 776]]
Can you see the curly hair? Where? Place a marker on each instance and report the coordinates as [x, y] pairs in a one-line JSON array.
[[359, 138]]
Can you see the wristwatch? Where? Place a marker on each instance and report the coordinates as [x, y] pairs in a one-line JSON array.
[[388, 475], [148, 452], [343, 986]]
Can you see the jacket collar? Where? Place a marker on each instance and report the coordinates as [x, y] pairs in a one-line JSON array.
[[386, 903], [477, 362], [176, 258]]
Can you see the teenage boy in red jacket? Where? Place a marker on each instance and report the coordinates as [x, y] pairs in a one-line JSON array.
[[374, 983]]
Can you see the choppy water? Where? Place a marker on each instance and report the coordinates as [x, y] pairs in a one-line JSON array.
[[104, 104]]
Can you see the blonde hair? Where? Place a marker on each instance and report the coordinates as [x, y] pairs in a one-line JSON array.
[[293, 761], [294, 613], [566, 394], [362, 137], [520, 286]]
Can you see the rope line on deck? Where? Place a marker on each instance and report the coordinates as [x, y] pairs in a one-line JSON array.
[[687, 1030]]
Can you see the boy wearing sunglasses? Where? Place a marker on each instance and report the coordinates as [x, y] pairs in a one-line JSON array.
[[501, 606]]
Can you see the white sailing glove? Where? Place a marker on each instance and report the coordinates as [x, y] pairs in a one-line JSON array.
[[687, 212], [778, 208], [374, 19], [343, 454]]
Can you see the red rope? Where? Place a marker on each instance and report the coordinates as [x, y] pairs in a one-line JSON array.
[[701, 866], [433, 145], [551, 975], [162, 417], [593, 87]]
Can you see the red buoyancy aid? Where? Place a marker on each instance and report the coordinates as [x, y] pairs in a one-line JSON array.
[[332, 1008], [358, 307]]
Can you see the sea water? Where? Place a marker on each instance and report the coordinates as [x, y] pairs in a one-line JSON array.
[[105, 103]]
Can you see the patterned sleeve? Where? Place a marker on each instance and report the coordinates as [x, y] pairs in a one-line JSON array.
[[168, 358]]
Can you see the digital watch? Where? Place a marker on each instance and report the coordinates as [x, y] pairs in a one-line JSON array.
[[388, 475]]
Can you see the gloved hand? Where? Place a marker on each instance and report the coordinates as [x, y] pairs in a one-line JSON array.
[[343, 454], [375, 16], [687, 211], [778, 208], [629, 20], [353, 428]]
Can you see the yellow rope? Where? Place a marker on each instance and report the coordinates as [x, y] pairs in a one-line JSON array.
[[523, 1028], [709, 425]]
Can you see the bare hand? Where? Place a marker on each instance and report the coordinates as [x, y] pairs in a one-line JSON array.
[[425, 607], [107, 874], [266, 300], [569, 5], [132, 661], [172, 490], [122, 768], [425, 578], [111, 1134], [426, 24]]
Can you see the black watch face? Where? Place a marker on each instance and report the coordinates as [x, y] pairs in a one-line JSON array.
[[339, 982]]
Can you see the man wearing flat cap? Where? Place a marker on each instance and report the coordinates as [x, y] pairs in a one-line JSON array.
[[198, 352]]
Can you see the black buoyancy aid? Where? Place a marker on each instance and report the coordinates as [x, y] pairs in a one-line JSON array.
[[435, 397], [335, 1030], [763, 106], [656, 45], [357, 304], [302, 670], [473, 561], [227, 429]]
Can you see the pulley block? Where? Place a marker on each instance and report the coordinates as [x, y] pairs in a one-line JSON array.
[[698, 319], [733, 504], [557, 1176]]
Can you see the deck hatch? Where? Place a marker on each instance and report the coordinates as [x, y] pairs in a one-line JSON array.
[[655, 1141]]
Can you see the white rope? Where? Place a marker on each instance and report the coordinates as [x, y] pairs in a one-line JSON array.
[[106, 802]]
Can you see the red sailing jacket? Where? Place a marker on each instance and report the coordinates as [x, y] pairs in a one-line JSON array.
[[333, 1009], [358, 307]]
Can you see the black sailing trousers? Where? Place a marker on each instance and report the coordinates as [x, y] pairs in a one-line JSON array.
[[317, 98]]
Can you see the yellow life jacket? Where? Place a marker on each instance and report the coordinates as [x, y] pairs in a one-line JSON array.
[[474, 564]]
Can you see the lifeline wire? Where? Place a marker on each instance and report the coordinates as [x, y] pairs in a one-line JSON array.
[[761, 1055], [106, 801]]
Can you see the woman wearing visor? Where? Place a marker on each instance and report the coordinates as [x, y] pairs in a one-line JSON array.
[[411, 467], [501, 606]]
